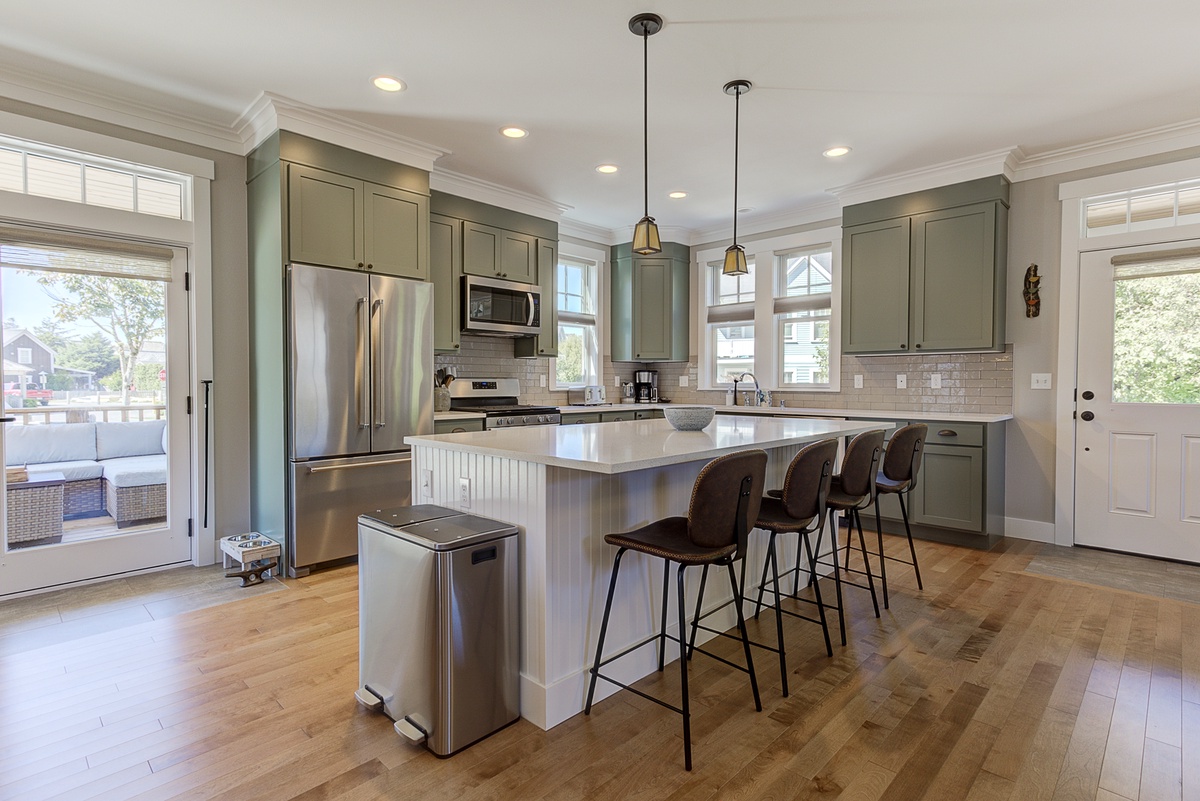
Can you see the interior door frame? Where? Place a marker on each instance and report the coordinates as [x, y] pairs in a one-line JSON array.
[[1074, 245]]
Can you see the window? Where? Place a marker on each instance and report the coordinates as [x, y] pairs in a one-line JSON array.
[[576, 298], [779, 323], [24, 355], [1139, 209]]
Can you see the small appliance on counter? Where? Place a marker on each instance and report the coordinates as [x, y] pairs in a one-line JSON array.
[[587, 396], [645, 386], [627, 392]]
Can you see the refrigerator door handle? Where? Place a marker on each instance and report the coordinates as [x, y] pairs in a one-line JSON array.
[[362, 389], [327, 468], [377, 387], [529, 304]]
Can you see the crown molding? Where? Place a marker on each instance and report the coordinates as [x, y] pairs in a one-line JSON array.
[[998, 162], [1148, 142], [27, 87], [821, 210], [270, 112], [587, 232], [455, 183]]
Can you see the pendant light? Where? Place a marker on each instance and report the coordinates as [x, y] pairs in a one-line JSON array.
[[645, 234], [735, 255]]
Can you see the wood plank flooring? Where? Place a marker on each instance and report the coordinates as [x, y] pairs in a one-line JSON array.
[[994, 683]]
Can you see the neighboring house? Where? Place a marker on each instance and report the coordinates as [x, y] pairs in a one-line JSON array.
[[28, 358]]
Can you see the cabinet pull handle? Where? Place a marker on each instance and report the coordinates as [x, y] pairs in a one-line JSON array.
[[903, 346], [918, 344], [360, 265], [947, 432]]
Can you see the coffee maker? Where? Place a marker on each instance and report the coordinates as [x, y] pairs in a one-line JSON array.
[[645, 386]]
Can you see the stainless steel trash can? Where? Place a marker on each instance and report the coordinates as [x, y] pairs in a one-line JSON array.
[[439, 633]]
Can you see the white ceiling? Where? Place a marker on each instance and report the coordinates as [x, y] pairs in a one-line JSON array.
[[906, 85]]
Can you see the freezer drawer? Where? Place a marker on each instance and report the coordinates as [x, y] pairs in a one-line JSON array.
[[328, 495]]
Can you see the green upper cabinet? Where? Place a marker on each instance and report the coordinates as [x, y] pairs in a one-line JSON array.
[[498, 253], [926, 272], [445, 267], [650, 314], [545, 343], [338, 221]]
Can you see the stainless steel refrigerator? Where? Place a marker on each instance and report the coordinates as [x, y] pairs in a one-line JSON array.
[[360, 381]]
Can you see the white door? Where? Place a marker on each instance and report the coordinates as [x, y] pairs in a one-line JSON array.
[[1137, 443], [99, 488]]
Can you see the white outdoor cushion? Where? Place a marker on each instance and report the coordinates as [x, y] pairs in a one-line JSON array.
[[53, 442], [135, 471], [79, 470], [116, 440]]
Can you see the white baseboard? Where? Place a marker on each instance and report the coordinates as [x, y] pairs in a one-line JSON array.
[[1035, 530]]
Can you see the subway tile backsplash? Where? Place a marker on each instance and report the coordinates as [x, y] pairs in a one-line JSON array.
[[979, 383]]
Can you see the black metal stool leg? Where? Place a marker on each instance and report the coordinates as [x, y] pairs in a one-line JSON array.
[[862, 543], [817, 589], [696, 618], [837, 575], [683, 674], [737, 603], [662, 635], [774, 560], [612, 588], [762, 585], [911, 548], [882, 556]]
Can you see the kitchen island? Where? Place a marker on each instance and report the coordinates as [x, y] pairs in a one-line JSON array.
[[568, 486]]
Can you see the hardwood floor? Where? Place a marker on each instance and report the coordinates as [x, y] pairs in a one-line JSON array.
[[993, 683]]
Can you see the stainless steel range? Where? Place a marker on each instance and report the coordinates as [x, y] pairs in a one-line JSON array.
[[498, 399]]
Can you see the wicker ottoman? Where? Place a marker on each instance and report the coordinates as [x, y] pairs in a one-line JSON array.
[[132, 506], [35, 510]]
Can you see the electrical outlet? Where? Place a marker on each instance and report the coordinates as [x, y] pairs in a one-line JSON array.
[[901, 381], [935, 380], [427, 483], [464, 493], [542, 379], [1040, 381], [617, 381], [858, 382], [683, 380]]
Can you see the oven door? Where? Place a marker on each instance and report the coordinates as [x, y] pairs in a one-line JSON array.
[[500, 308]]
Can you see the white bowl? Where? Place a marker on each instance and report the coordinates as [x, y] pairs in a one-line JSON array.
[[689, 418]]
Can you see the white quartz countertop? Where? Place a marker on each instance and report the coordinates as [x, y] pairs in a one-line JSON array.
[[640, 444], [458, 415], [877, 414]]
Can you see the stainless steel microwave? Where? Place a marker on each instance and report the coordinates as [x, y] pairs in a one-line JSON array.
[[498, 308]]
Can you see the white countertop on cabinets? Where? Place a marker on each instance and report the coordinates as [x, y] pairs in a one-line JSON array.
[[458, 415], [624, 447], [877, 414]]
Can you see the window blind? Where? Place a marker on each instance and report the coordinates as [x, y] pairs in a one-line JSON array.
[[56, 251]]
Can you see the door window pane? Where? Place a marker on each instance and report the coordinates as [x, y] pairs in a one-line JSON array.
[[1156, 336]]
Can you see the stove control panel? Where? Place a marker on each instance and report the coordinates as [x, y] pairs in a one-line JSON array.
[[510, 421]]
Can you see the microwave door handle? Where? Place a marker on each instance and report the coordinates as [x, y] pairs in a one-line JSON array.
[[530, 304], [362, 389], [377, 361]]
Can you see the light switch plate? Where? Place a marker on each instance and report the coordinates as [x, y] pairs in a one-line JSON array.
[[1040, 381], [683, 380], [935, 380], [426, 483], [542, 379], [901, 381], [858, 382]]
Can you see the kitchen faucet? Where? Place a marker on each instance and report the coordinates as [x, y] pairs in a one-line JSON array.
[[757, 391]]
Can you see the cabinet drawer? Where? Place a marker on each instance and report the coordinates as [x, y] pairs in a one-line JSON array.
[[648, 414], [576, 419], [456, 426], [955, 434]]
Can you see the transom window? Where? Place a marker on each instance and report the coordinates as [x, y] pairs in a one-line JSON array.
[[1164, 206], [33, 169]]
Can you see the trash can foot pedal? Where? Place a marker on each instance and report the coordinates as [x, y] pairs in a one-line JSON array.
[[368, 697], [410, 731]]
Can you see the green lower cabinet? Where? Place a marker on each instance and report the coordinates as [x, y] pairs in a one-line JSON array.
[[649, 414], [457, 426], [617, 417], [950, 488], [578, 419]]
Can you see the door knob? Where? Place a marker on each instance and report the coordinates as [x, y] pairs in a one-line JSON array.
[[1087, 417]]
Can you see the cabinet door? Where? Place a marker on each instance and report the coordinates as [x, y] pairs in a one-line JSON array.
[[545, 343], [875, 281], [445, 267], [616, 417], [651, 309], [953, 278], [648, 414], [949, 489], [518, 257], [325, 213], [396, 232], [579, 419], [481, 250]]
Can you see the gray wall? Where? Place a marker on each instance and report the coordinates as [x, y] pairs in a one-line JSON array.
[[231, 429]]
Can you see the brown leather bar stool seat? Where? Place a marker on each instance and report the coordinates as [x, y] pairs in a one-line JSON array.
[[724, 503], [851, 491], [799, 509]]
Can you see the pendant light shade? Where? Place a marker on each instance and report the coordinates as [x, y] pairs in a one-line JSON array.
[[735, 255], [645, 234]]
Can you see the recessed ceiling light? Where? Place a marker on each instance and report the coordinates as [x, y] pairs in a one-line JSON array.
[[607, 169], [513, 132], [677, 195], [388, 84], [836, 152]]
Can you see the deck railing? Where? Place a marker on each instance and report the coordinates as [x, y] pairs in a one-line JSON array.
[[88, 414]]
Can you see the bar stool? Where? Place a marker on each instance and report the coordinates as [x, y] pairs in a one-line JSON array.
[[901, 463], [799, 509], [725, 500], [852, 490]]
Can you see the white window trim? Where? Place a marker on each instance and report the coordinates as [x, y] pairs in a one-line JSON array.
[[194, 235], [766, 352], [572, 250]]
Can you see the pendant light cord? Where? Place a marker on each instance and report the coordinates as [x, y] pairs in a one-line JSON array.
[[646, 119], [737, 117]]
